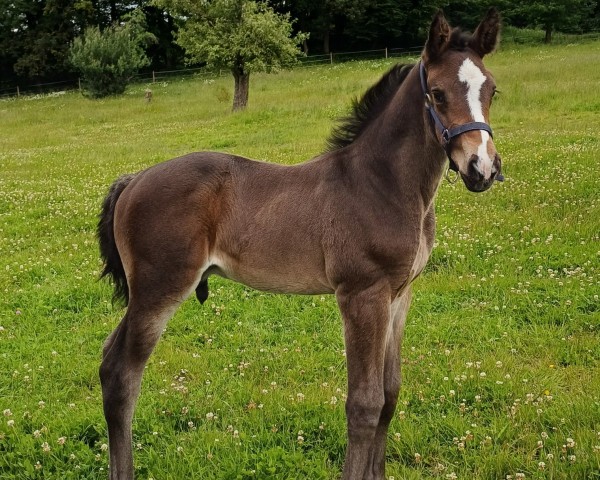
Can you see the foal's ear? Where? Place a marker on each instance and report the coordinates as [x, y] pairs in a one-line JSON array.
[[439, 33], [487, 35]]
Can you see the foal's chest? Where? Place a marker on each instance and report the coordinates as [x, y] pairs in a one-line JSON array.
[[421, 258], [425, 245]]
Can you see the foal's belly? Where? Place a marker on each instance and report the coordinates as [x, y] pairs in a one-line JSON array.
[[275, 275]]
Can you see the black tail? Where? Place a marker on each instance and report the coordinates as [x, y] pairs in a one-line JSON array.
[[113, 266]]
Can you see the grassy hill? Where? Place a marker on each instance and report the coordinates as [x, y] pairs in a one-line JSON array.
[[501, 351]]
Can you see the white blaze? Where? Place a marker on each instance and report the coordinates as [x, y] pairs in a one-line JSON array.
[[470, 74]]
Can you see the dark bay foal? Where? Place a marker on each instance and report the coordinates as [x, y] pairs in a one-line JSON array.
[[357, 222]]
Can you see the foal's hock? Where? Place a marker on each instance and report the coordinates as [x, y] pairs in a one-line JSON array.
[[358, 222]]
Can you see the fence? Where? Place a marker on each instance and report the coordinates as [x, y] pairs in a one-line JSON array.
[[162, 75], [515, 36]]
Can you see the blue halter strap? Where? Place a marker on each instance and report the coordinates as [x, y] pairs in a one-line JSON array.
[[448, 134]]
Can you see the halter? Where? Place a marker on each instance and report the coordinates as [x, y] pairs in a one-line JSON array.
[[448, 134]]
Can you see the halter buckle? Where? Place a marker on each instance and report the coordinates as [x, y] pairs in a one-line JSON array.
[[446, 137], [452, 178]]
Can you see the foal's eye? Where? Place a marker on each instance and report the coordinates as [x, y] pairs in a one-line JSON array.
[[438, 96]]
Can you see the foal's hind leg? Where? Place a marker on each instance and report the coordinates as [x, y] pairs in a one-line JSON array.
[[391, 385], [125, 354]]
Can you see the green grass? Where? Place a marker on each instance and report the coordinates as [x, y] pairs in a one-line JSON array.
[[502, 345]]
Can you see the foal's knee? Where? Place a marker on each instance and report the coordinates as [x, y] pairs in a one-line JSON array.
[[363, 414]]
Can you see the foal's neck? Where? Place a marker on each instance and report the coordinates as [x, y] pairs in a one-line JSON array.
[[402, 143]]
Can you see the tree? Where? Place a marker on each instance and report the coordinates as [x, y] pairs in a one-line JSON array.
[[242, 36], [382, 24], [35, 36], [321, 19], [336, 13], [552, 15], [108, 59]]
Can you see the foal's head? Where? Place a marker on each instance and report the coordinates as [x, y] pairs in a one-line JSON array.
[[459, 92]]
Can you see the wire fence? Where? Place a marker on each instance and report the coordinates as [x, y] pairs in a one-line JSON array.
[[155, 76]]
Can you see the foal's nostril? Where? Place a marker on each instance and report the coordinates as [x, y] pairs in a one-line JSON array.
[[473, 167], [497, 168], [497, 162]]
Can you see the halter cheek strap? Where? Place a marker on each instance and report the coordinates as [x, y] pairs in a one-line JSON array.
[[448, 134]]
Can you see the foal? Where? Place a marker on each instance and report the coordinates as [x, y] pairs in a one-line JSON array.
[[357, 222]]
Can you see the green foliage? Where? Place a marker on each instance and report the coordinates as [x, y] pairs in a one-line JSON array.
[[389, 18], [107, 59], [552, 15], [501, 346], [35, 36], [239, 34]]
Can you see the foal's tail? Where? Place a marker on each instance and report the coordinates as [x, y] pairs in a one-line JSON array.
[[113, 266]]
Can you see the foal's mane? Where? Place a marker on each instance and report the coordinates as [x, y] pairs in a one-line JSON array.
[[369, 107], [375, 99]]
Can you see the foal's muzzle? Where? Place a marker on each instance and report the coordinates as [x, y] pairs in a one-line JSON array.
[[477, 181]]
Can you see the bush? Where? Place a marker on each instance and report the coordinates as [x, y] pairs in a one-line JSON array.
[[107, 59]]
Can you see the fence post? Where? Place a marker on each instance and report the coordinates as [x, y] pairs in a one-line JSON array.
[[153, 77], [18, 93], [386, 53], [331, 58]]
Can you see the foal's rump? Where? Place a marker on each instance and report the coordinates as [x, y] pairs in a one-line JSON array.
[[166, 219]]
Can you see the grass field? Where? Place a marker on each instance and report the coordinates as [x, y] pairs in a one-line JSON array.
[[501, 353]]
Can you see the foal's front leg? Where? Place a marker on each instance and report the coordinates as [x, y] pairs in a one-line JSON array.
[[391, 385], [366, 317]]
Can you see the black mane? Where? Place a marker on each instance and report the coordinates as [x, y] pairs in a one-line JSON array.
[[368, 108]]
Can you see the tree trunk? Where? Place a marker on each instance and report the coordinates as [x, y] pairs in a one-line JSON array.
[[114, 16], [326, 41], [242, 85], [548, 37]]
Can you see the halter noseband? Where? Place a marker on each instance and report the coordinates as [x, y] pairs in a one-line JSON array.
[[448, 134]]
